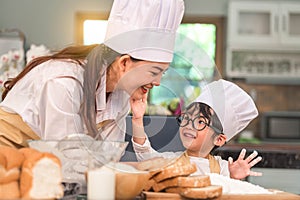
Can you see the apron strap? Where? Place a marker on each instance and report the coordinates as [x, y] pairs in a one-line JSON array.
[[100, 126], [14, 131]]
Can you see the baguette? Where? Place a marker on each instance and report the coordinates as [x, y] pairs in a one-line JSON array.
[[208, 192], [180, 181]]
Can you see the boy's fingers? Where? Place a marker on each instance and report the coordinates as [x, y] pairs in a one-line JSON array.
[[230, 160], [242, 154], [255, 161], [252, 173], [251, 156]]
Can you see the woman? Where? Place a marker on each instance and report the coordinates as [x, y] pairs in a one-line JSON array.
[[221, 111], [87, 88]]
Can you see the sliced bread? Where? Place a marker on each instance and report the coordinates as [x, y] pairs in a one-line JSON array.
[[182, 167], [181, 181], [207, 192]]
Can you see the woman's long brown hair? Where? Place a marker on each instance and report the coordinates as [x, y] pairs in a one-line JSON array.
[[76, 53], [99, 57], [97, 61]]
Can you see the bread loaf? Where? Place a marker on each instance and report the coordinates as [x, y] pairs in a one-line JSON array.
[[2, 160], [29, 174], [29, 152], [7, 176], [169, 169], [149, 185], [41, 176], [176, 178], [12, 156], [10, 190], [10, 164], [180, 181]]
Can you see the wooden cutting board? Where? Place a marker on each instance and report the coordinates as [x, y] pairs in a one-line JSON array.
[[278, 195]]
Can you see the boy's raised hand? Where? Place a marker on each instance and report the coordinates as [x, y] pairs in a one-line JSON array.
[[241, 168]]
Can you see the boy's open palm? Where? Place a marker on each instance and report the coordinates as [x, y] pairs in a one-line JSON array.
[[241, 168]]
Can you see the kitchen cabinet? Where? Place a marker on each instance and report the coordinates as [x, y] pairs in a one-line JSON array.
[[263, 41], [274, 24], [263, 66]]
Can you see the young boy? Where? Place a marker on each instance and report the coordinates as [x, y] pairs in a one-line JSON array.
[[220, 112]]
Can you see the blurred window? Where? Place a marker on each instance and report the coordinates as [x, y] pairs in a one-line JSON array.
[[193, 63]]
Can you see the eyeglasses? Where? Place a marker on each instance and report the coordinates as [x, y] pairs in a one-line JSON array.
[[198, 123]]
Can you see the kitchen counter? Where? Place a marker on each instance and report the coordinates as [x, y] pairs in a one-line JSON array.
[[275, 155]]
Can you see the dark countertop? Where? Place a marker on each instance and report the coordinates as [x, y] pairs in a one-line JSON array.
[[275, 155]]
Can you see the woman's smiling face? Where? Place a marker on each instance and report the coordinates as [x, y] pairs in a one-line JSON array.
[[140, 76]]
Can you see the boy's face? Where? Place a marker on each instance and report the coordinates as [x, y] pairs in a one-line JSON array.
[[194, 140]]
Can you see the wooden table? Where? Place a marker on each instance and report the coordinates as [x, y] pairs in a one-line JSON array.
[[277, 195]]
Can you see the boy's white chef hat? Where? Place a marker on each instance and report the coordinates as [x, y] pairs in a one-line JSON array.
[[144, 29], [233, 106]]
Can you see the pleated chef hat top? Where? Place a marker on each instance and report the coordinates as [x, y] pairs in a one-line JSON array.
[[144, 29], [233, 106]]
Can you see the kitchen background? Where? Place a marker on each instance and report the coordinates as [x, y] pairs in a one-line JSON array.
[[53, 23]]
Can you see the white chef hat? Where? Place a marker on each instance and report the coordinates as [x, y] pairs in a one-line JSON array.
[[144, 29], [233, 106]]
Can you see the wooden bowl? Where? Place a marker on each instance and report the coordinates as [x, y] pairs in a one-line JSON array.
[[130, 182]]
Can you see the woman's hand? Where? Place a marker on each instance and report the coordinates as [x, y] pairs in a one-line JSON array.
[[241, 168]]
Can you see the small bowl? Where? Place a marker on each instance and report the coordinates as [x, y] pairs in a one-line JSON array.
[[130, 182]]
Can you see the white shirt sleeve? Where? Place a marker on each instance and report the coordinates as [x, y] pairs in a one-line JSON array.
[[59, 105], [145, 151]]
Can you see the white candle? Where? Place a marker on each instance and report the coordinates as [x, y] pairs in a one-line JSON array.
[[101, 184]]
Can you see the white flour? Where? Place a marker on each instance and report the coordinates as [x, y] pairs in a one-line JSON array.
[[233, 186]]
